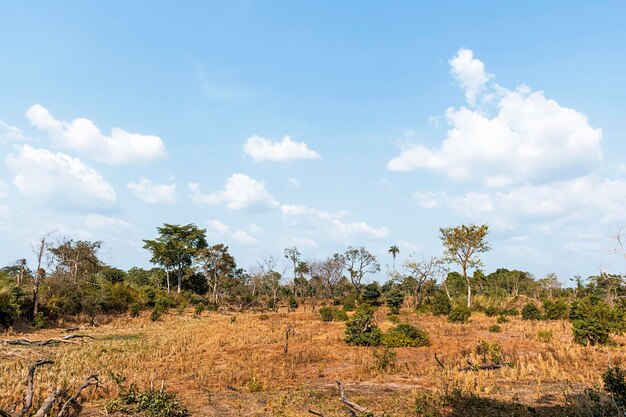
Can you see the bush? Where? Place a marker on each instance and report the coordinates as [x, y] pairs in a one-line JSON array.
[[594, 321], [156, 314], [615, 384], [393, 318], [293, 303], [371, 294], [114, 275], [9, 306], [349, 304], [134, 309], [150, 402], [531, 312], [441, 304], [361, 331], [332, 314], [460, 314], [544, 336], [502, 320], [491, 351], [495, 328], [384, 359], [405, 335], [199, 308], [395, 299], [555, 310], [492, 311], [509, 311]]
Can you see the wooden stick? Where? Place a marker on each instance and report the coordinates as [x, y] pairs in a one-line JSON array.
[[48, 402], [352, 406], [28, 398], [439, 362], [315, 413], [90, 380]]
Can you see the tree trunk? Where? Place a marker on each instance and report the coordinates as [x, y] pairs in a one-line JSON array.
[[167, 276], [469, 287]]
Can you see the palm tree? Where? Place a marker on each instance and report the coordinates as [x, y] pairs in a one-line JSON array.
[[394, 250]]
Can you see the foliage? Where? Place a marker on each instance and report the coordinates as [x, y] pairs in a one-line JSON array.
[[332, 314], [495, 328], [441, 304], [502, 320], [134, 309], [384, 359], [361, 331], [150, 402], [531, 312], [349, 304], [555, 310], [489, 351], [405, 335], [615, 383], [371, 294], [114, 275], [395, 299], [544, 335], [358, 263], [593, 321], [459, 314], [293, 303]]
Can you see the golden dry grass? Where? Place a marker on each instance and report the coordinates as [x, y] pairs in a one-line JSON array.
[[234, 365]]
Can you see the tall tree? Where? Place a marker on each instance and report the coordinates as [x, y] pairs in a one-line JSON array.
[[463, 244], [394, 250], [217, 265], [329, 271], [77, 259], [419, 271], [40, 252], [175, 247], [358, 263], [293, 254]]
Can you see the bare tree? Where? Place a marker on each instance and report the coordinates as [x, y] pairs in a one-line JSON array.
[[419, 271], [358, 263], [329, 271], [40, 252]]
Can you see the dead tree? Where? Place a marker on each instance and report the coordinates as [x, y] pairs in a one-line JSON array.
[[72, 402]]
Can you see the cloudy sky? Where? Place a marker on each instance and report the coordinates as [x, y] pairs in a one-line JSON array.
[[274, 124]]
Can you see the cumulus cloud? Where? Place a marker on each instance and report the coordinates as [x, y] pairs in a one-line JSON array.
[[469, 74], [152, 193], [264, 150], [240, 192], [333, 223], [530, 138], [217, 229], [9, 133], [82, 135], [58, 178]]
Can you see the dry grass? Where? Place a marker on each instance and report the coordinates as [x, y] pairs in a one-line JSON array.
[[235, 365]]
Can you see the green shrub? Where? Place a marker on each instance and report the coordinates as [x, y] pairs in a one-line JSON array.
[[332, 314], [39, 321], [150, 402], [441, 305], [384, 359], [134, 309], [405, 335], [395, 299], [293, 303], [502, 320], [615, 384], [393, 318], [460, 314], [361, 331], [509, 311], [492, 311], [489, 351], [199, 308], [594, 321], [371, 294], [531, 312], [349, 304], [495, 328], [558, 310]]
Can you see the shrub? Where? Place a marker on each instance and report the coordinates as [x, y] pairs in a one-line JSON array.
[[405, 335], [150, 402], [509, 311], [39, 321], [9, 307], [293, 303], [384, 359], [395, 299], [460, 314], [156, 314], [491, 351], [349, 304], [555, 310], [594, 321], [492, 311], [502, 320], [332, 314], [544, 335], [615, 384], [199, 308], [114, 275], [134, 309], [441, 304], [393, 318], [495, 328], [361, 331], [371, 293], [531, 312]]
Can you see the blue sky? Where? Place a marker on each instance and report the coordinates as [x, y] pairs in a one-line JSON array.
[[318, 125]]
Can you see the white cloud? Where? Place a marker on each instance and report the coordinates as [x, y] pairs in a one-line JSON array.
[[531, 138], [220, 230], [333, 224], [469, 73], [97, 221], [240, 192], [152, 193], [83, 136], [10, 133], [293, 183], [58, 178], [264, 150]]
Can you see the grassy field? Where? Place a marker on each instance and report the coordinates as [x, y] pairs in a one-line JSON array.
[[235, 365]]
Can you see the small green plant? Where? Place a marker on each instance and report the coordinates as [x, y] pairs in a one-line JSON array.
[[361, 330], [293, 303], [349, 304], [149, 402], [555, 310], [39, 321], [134, 309], [491, 351], [426, 405], [502, 320], [156, 314], [333, 314], [495, 328], [531, 312], [544, 336], [492, 311], [384, 359], [615, 384], [405, 335], [460, 314], [199, 308], [393, 318], [395, 299]]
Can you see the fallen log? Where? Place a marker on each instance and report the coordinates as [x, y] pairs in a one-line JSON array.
[[485, 366], [51, 341], [354, 407]]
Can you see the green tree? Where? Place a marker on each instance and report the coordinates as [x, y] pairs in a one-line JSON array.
[[462, 246], [394, 250], [217, 266], [293, 254], [175, 247]]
